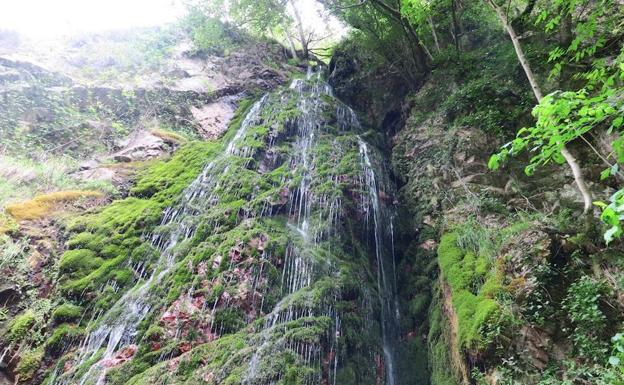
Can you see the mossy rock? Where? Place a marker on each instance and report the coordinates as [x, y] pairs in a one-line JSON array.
[[20, 326], [63, 337], [67, 313], [474, 283], [77, 263], [28, 364]]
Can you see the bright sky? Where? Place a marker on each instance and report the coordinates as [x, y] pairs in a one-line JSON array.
[[43, 19], [51, 18]]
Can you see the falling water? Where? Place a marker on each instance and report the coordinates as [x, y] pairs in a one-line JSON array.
[[118, 326], [299, 265], [311, 217], [386, 284]]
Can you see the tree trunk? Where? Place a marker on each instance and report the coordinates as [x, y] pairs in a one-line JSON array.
[[578, 177], [291, 44], [416, 46], [302, 38], [456, 30], [433, 32], [576, 169]]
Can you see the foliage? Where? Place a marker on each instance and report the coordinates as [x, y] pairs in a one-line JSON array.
[[616, 360], [612, 215], [209, 34], [23, 178], [565, 116], [588, 29], [42, 205], [120, 56], [583, 309]]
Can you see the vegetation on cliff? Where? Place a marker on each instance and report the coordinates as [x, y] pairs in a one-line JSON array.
[[302, 242]]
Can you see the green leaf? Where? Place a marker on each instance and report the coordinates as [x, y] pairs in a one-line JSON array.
[[605, 173], [610, 217], [613, 232], [617, 122], [613, 360], [600, 204], [494, 162]]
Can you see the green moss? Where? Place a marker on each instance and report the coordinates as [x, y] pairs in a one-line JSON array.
[[104, 272], [439, 349], [21, 326], [77, 263], [154, 332], [225, 355], [307, 330], [474, 284], [165, 180], [28, 364], [67, 313], [63, 337], [86, 240]]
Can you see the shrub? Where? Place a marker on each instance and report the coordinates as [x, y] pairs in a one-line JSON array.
[[582, 304]]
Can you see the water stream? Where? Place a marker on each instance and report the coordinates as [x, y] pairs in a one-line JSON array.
[[312, 218], [118, 326], [386, 281]]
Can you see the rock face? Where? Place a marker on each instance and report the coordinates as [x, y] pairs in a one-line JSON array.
[[214, 118], [109, 132], [247, 275], [193, 93]]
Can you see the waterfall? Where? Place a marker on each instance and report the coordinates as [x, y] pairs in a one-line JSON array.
[[118, 326], [299, 266], [386, 281], [313, 213]]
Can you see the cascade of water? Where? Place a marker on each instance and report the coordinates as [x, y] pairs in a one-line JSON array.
[[312, 215], [385, 278], [117, 327]]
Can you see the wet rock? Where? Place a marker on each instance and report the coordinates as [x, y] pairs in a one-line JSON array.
[[88, 165], [9, 294], [122, 356], [122, 158]]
